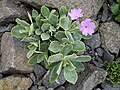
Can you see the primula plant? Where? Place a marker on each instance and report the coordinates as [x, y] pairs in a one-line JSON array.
[[53, 38], [116, 10], [113, 70]]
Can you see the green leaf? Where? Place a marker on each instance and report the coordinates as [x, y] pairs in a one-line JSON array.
[[31, 52], [55, 46], [45, 26], [70, 76], [45, 36], [15, 31], [59, 35], [65, 41], [38, 31], [115, 9], [51, 65], [50, 89], [70, 57], [45, 11], [117, 18], [78, 46], [76, 35], [86, 37], [44, 47], [60, 68], [55, 58], [32, 29], [63, 10], [53, 19], [66, 49], [22, 23], [34, 13], [79, 66], [54, 75], [38, 20], [70, 66], [82, 58], [118, 1], [45, 20], [65, 23], [33, 60], [34, 43], [52, 29], [69, 36], [40, 58], [29, 39], [30, 17]]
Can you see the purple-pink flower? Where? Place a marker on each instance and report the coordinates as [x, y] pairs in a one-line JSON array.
[[87, 27], [75, 14]]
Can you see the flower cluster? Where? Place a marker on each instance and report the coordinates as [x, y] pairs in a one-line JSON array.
[[87, 27]]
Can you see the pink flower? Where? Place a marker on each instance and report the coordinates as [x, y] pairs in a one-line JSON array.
[[75, 14], [87, 27]]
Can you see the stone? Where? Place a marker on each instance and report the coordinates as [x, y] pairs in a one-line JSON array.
[[13, 54], [33, 78], [98, 62], [15, 83], [6, 28], [34, 88], [39, 72], [90, 7], [94, 42], [9, 11], [97, 89], [42, 88], [105, 13], [88, 79], [45, 81], [107, 56], [60, 88], [1, 76], [111, 2], [108, 86], [110, 36], [100, 51]]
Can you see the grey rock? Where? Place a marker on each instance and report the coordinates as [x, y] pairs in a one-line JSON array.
[[100, 51], [6, 28], [105, 13], [94, 42], [97, 89], [111, 1], [42, 88], [110, 36], [107, 56], [60, 88], [34, 88], [90, 7], [98, 62], [33, 78], [61, 80], [88, 79], [9, 11], [39, 72], [108, 86], [15, 83], [13, 54], [1, 76]]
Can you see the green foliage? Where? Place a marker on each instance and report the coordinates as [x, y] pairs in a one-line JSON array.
[[53, 39], [115, 8], [113, 70]]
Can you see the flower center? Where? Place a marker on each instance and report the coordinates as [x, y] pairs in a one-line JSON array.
[[85, 26]]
